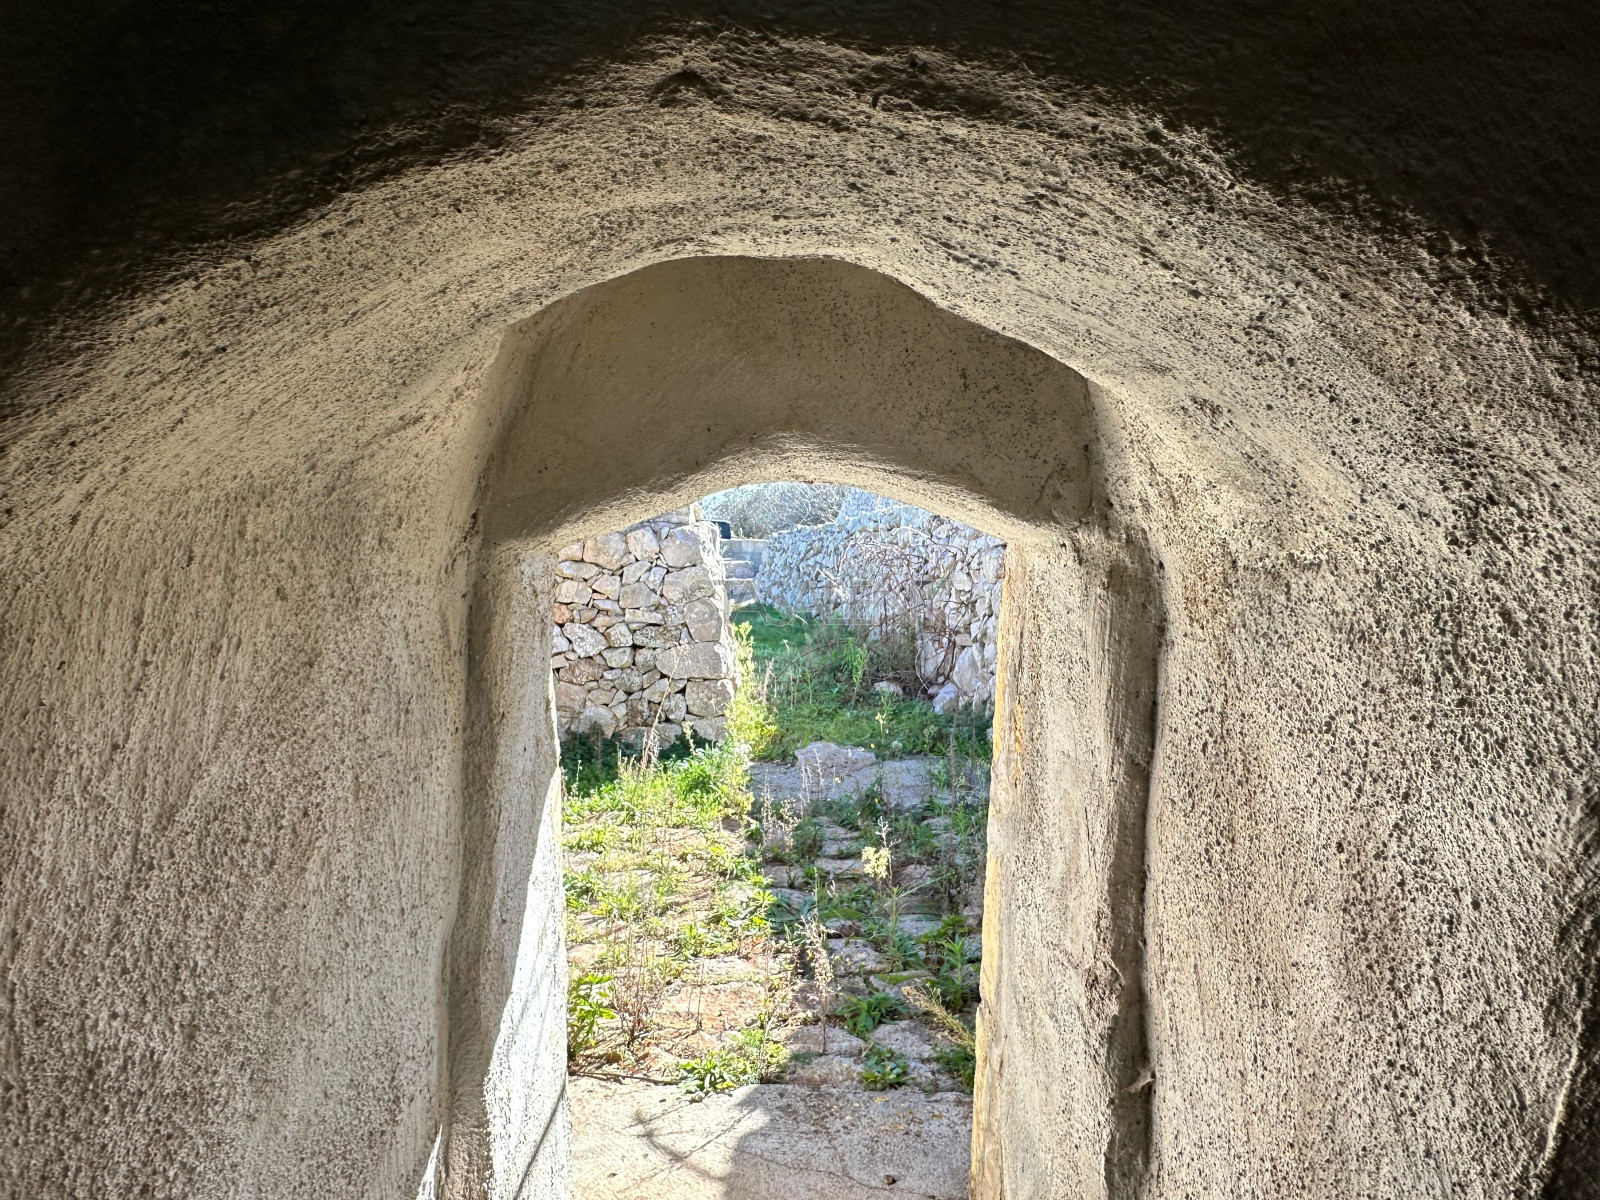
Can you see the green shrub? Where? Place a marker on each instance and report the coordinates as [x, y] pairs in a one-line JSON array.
[[883, 1068], [588, 1003], [862, 1014], [750, 1057], [960, 1061]]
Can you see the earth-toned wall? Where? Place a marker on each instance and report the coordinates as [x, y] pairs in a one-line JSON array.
[[1264, 336]]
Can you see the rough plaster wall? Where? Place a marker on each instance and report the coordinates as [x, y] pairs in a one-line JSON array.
[[239, 549]]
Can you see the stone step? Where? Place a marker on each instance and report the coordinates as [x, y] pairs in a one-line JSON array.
[[740, 568]]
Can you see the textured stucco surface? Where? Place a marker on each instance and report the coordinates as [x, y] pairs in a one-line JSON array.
[[1294, 875]]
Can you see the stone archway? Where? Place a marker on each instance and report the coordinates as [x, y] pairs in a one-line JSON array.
[[669, 382]]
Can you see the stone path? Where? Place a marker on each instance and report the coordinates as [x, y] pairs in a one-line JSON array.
[[831, 772], [641, 1141]]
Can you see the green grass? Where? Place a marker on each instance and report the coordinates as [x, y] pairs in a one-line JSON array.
[[819, 676]]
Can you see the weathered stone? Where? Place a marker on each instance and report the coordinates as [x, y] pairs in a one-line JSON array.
[[692, 583], [642, 544], [856, 956], [658, 691], [655, 636], [947, 699], [601, 604], [667, 732], [595, 717], [570, 696], [705, 620], [607, 585], [637, 595], [560, 613], [826, 760], [585, 640], [686, 546], [634, 571], [574, 592], [609, 550], [708, 697], [969, 674], [809, 1039], [712, 729], [673, 707], [585, 670], [559, 644], [577, 570], [696, 660], [841, 868], [619, 635], [916, 925], [618, 656], [630, 680], [572, 552], [643, 616]]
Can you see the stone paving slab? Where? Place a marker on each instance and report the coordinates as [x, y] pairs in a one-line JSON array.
[[641, 1141]]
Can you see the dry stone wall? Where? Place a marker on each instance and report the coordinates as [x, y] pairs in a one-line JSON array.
[[883, 566], [641, 632]]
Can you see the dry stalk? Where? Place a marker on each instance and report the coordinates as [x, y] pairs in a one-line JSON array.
[[927, 1003], [816, 939]]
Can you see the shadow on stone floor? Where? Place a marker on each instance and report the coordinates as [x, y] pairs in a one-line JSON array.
[[643, 1141]]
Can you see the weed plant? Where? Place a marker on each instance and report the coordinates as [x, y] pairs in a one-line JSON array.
[[862, 1014], [820, 676], [883, 1068], [750, 1056]]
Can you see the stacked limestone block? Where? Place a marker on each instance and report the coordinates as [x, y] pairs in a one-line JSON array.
[[880, 566], [642, 634]]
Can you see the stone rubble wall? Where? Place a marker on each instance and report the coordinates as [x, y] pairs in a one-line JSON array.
[[881, 565], [642, 633]]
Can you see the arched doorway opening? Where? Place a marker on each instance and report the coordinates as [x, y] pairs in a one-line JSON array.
[[642, 393]]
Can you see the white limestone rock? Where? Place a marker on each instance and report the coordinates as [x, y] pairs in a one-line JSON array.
[[585, 641], [637, 595], [712, 729], [705, 620], [708, 697], [696, 660], [691, 583], [608, 551], [642, 544], [686, 546], [574, 592], [595, 717]]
